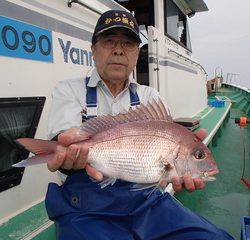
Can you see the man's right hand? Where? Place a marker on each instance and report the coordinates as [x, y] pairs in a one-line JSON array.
[[75, 156]]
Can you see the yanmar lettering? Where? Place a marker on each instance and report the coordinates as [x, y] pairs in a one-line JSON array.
[[22, 40], [75, 55]]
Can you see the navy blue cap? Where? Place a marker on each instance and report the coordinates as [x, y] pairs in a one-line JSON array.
[[116, 19]]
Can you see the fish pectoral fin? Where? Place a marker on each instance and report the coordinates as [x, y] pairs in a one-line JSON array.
[[162, 183], [163, 160], [165, 163], [169, 158], [108, 181], [168, 172], [167, 177], [141, 186]]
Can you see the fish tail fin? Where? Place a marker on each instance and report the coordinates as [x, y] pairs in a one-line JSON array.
[[38, 146], [35, 160], [246, 182]]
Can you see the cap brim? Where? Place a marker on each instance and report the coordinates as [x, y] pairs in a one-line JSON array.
[[135, 35]]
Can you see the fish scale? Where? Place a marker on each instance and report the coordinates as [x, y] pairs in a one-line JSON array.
[[131, 154]]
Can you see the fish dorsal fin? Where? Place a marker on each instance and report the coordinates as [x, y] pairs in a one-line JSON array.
[[152, 111]]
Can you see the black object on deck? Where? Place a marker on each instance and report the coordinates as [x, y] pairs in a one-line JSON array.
[[190, 123]]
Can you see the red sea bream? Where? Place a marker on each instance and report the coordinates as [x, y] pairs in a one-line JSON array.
[[143, 145]]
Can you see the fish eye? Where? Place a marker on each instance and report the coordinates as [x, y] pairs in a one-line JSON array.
[[199, 154]]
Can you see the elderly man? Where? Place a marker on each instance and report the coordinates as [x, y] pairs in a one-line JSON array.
[[80, 208]]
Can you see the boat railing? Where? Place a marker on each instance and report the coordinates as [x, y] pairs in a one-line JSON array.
[[237, 86], [188, 59], [93, 6]]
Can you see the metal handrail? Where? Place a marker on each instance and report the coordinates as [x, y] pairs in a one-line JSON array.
[[215, 72], [187, 59], [84, 4], [157, 63], [89, 4]]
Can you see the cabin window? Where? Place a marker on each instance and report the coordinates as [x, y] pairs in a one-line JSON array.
[[143, 10], [19, 118], [144, 14], [142, 66], [176, 25]]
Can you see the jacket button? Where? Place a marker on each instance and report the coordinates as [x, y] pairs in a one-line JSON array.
[[74, 200]]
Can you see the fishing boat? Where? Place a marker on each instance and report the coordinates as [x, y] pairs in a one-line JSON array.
[[43, 42]]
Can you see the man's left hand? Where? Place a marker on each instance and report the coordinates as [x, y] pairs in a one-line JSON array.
[[187, 181]]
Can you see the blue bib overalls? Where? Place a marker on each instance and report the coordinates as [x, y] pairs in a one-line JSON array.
[[82, 210]]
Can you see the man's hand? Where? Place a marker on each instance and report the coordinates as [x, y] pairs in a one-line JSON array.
[[187, 181], [75, 156]]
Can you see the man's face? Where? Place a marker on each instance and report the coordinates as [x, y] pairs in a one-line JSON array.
[[115, 55]]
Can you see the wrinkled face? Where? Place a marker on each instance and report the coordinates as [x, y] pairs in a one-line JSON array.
[[115, 55], [197, 160]]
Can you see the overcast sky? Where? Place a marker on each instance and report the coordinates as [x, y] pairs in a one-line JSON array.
[[221, 38]]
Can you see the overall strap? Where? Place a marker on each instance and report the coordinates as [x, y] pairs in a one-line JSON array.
[[134, 99], [91, 100]]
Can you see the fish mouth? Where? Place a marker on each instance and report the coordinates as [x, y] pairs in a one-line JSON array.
[[209, 175]]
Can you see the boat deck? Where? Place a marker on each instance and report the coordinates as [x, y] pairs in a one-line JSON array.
[[223, 201], [30, 224]]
